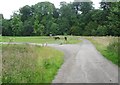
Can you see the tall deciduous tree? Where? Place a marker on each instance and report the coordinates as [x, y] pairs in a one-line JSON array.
[[17, 25], [114, 19], [76, 18]]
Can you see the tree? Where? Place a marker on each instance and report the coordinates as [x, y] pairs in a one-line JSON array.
[[38, 28], [44, 8], [90, 28], [84, 7], [56, 13], [16, 25], [54, 28], [25, 12], [6, 27], [76, 18], [74, 30], [105, 5], [27, 28], [114, 19], [101, 30], [67, 18]]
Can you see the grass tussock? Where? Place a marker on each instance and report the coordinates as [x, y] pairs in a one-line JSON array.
[[30, 64], [108, 46]]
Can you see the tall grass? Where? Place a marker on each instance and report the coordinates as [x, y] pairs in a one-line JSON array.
[[30, 64], [112, 48], [108, 46]]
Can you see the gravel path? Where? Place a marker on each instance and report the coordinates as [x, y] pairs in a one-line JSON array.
[[84, 64]]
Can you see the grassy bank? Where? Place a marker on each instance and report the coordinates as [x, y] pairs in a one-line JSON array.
[[42, 39], [108, 46], [30, 64]]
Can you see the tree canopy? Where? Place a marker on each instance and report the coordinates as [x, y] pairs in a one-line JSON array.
[[75, 18]]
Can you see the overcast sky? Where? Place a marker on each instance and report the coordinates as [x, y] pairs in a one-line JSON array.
[[7, 7]]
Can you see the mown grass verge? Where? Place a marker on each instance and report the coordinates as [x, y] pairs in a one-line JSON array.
[[30, 64], [108, 47], [42, 39]]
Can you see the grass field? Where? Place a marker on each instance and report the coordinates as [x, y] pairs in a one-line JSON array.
[[42, 39], [30, 64], [35, 64], [108, 46]]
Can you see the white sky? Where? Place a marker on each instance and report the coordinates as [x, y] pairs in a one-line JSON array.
[[7, 7]]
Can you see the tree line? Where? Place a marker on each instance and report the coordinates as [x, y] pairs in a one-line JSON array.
[[75, 18]]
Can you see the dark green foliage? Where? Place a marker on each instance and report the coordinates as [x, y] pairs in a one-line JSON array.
[[28, 28], [25, 12], [114, 19], [91, 28], [6, 27], [77, 18]]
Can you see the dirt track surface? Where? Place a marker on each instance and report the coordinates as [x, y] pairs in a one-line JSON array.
[[84, 64]]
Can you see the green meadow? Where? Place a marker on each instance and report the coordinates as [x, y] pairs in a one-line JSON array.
[[42, 39]]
